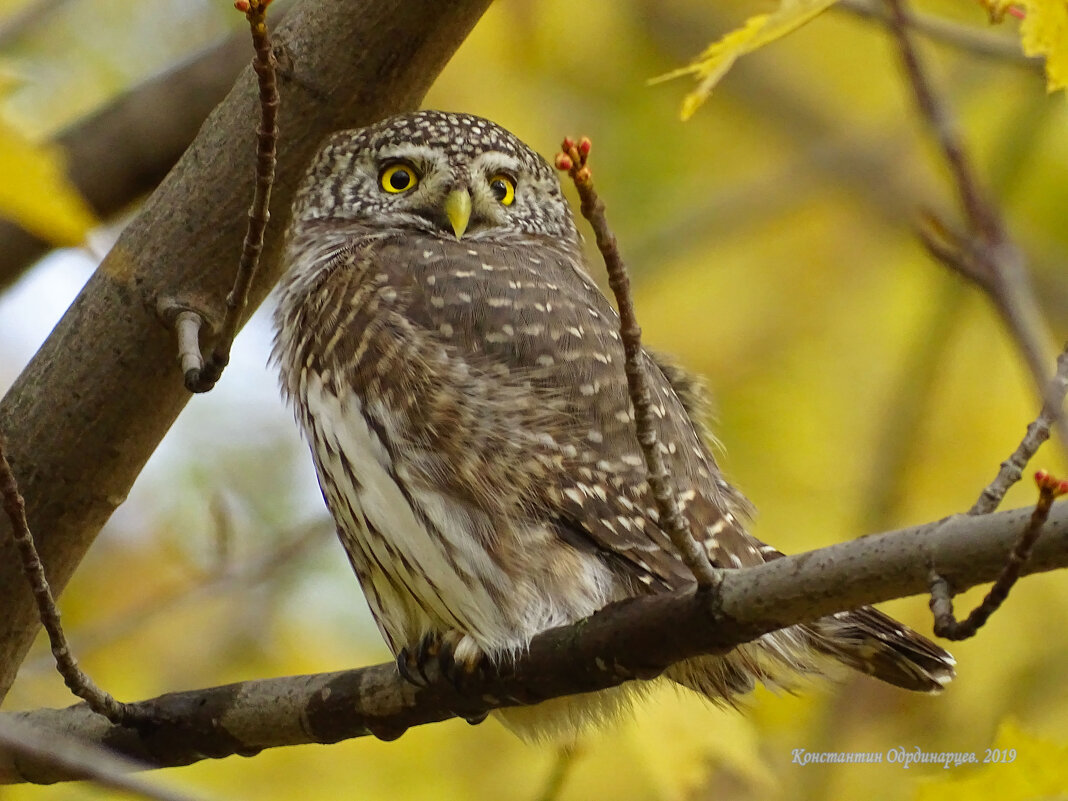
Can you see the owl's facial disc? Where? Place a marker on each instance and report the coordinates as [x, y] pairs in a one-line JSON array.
[[474, 195], [403, 173]]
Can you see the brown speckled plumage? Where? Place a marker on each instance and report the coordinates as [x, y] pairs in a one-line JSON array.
[[466, 406]]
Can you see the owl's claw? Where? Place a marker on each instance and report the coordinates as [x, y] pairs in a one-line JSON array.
[[450, 656], [415, 665], [460, 660]]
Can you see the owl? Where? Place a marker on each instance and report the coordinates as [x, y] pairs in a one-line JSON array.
[[459, 377]]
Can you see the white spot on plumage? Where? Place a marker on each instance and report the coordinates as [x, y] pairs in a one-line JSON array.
[[575, 495]]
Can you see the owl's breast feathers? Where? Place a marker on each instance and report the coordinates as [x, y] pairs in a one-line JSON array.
[[501, 370]]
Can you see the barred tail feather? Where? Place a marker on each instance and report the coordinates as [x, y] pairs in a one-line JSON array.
[[868, 641]]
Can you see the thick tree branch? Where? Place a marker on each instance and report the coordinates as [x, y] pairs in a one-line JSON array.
[[87, 412], [634, 639]]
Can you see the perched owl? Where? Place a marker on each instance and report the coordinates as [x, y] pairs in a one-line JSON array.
[[459, 378]]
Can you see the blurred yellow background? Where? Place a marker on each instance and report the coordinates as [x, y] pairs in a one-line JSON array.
[[859, 387]]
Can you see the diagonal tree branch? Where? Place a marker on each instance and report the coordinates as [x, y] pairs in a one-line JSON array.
[[87, 412], [633, 639]]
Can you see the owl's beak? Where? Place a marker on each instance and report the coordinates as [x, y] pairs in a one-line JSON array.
[[458, 210]]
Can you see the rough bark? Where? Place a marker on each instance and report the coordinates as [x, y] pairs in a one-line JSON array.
[[95, 401], [628, 640]]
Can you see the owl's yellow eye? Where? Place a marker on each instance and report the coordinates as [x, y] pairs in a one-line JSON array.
[[398, 178], [503, 188]]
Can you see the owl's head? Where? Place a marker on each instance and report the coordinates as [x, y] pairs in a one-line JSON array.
[[446, 174]]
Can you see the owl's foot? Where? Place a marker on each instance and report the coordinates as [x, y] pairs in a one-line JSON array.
[[414, 664], [451, 656]]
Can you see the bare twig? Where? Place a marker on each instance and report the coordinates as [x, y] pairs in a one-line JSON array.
[[1037, 433], [945, 624], [637, 638], [187, 325], [968, 38], [78, 759], [573, 159], [985, 254], [203, 378], [79, 683]]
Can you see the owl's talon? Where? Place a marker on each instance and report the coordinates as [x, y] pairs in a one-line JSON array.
[[460, 660], [406, 667], [413, 664]]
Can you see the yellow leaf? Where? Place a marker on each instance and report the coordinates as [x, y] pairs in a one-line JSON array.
[[758, 31], [35, 192], [1018, 766], [1044, 31]]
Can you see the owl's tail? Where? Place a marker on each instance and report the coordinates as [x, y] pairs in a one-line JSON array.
[[864, 639], [867, 640]]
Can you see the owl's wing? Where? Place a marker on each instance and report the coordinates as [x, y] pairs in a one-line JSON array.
[[529, 407]]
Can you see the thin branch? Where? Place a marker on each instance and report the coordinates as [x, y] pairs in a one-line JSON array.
[[946, 625], [986, 254], [1037, 433], [980, 215], [24, 742], [573, 159], [968, 38], [203, 378], [638, 638], [79, 683]]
